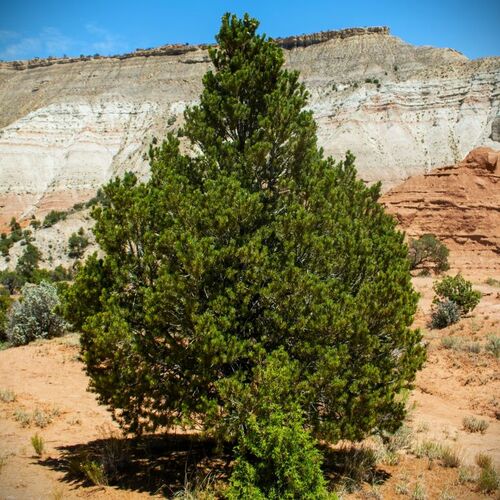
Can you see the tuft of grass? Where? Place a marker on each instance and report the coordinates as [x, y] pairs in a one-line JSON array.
[[493, 282], [428, 449], [38, 444], [7, 396], [358, 466], [493, 345], [3, 461], [94, 472], [450, 457], [446, 495], [432, 450], [23, 417], [454, 343], [473, 347], [488, 480], [41, 418], [483, 461], [473, 424], [402, 489], [419, 492], [38, 417], [466, 475]]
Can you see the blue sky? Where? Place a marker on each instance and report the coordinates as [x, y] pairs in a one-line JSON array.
[[54, 27]]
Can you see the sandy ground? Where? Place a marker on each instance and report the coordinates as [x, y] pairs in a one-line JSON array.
[[49, 384]]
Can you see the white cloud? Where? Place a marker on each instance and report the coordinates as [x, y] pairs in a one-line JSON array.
[[52, 42]]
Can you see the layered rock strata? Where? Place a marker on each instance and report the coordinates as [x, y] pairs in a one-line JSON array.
[[67, 126], [460, 204]]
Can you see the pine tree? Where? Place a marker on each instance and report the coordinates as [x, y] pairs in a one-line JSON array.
[[251, 245]]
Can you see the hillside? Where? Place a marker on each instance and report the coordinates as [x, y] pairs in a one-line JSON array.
[[68, 125], [460, 204]]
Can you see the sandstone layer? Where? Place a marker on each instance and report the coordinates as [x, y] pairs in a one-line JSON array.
[[68, 125], [460, 204]]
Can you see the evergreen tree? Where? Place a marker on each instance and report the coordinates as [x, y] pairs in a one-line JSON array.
[[250, 246]]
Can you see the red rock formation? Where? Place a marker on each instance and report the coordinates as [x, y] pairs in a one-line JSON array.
[[460, 204]]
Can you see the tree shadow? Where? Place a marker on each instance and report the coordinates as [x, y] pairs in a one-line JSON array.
[[154, 464], [168, 463], [349, 466]]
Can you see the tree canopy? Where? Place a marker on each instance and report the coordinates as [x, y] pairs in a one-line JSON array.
[[248, 248]]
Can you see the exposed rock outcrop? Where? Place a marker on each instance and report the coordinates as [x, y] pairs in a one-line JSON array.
[[460, 204], [67, 126]]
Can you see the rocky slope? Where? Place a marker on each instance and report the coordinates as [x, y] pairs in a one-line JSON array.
[[68, 125], [460, 204]]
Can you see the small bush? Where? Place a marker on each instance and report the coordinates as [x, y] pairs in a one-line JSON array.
[[473, 347], [458, 290], [23, 417], [444, 314], [454, 343], [53, 217], [77, 244], [493, 282], [33, 317], [473, 424], [38, 444], [7, 396], [428, 250], [41, 418], [488, 480], [450, 457], [493, 345], [466, 475], [483, 460], [276, 455], [5, 303], [94, 472]]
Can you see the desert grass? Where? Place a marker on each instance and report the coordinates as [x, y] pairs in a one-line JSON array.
[[38, 444], [7, 396], [473, 424]]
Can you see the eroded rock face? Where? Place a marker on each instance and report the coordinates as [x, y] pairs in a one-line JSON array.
[[460, 204], [67, 126]]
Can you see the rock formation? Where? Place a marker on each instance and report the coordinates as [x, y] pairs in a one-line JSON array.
[[68, 125], [460, 204]]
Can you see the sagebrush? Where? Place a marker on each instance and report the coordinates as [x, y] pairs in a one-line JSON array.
[[33, 316]]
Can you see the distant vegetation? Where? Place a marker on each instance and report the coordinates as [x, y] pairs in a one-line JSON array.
[[77, 244], [428, 252], [53, 217]]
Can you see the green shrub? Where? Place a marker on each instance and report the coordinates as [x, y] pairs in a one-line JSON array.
[[77, 244], [38, 444], [483, 460], [27, 264], [444, 314], [276, 455], [33, 317], [488, 480], [5, 303], [53, 217], [428, 250], [11, 281], [459, 290], [35, 224]]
